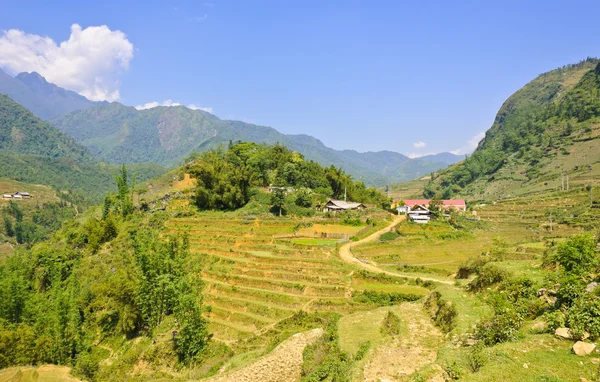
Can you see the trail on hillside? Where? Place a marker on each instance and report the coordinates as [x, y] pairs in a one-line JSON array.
[[347, 255], [281, 365], [397, 359]]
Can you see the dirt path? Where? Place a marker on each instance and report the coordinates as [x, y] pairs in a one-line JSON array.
[[347, 255], [281, 365], [397, 359]]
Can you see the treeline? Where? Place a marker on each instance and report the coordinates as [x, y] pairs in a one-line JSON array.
[[105, 276], [526, 134], [36, 226], [225, 177]]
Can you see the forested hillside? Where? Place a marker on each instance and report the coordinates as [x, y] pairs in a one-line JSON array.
[[33, 151], [224, 178], [544, 132], [119, 134], [111, 275], [45, 100]]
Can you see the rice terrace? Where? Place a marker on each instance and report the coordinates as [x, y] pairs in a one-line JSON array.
[[270, 191]]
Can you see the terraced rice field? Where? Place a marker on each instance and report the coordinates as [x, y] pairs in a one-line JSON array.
[[253, 280], [441, 248]]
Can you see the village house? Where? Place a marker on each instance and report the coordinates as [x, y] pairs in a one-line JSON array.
[[419, 214], [340, 205], [409, 204], [17, 195]]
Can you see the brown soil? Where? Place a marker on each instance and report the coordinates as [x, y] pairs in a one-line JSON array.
[[281, 365], [397, 359]]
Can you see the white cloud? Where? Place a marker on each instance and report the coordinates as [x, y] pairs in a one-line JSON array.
[[89, 62], [169, 102], [419, 145], [470, 146], [418, 155], [204, 17]]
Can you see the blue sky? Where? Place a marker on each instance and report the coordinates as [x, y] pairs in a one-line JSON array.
[[414, 77]]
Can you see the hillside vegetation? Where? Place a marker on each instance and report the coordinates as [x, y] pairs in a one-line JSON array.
[[120, 134], [33, 151], [548, 128]]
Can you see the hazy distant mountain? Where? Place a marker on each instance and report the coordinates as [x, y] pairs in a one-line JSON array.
[[43, 99], [166, 135]]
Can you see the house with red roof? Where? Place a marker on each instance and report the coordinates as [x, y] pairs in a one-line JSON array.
[[409, 204]]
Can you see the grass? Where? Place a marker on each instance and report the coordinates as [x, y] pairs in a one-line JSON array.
[[316, 229], [358, 328], [318, 242]]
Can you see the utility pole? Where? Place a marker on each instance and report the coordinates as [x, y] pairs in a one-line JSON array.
[[562, 180], [344, 193], [551, 222], [567, 182]]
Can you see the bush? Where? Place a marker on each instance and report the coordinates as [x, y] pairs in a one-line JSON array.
[[362, 350], [584, 316], [489, 275], [555, 320], [503, 327], [476, 358], [576, 255], [87, 366], [442, 312], [383, 299], [471, 266], [453, 370], [391, 325], [389, 236]]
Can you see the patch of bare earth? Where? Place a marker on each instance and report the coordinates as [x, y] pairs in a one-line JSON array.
[[397, 359], [283, 364]]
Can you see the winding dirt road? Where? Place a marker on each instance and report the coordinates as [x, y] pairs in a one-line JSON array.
[[347, 255]]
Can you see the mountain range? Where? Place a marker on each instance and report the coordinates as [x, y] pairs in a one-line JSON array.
[[33, 151], [115, 133], [43, 99]]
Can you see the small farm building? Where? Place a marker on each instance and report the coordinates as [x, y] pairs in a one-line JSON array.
[[341, 205]]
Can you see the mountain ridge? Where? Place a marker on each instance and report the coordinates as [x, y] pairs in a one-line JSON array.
[[122, 134], [547, 130], [44, 99]]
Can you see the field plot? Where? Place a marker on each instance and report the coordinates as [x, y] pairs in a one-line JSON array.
[[520, 225], [253, 280]]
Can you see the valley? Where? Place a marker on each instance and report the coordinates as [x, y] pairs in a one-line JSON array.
[[163, 243]]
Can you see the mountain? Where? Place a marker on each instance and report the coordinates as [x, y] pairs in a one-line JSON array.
[[545, 133], [23, 133], [166, 135], [45, 100], [33, 151]]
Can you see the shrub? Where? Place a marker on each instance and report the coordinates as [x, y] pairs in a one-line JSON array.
[[362, 350], [476, 358], [584, 316], [555, 320], [577, 254], [389, 236], [442, 312], [503, 327], [471, 266], [87, 366], [390, 325], [383, 299], [489, 275], [453, 370]]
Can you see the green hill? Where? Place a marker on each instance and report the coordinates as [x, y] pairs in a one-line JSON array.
[[545, 133], [166, 135], [33, 151]]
